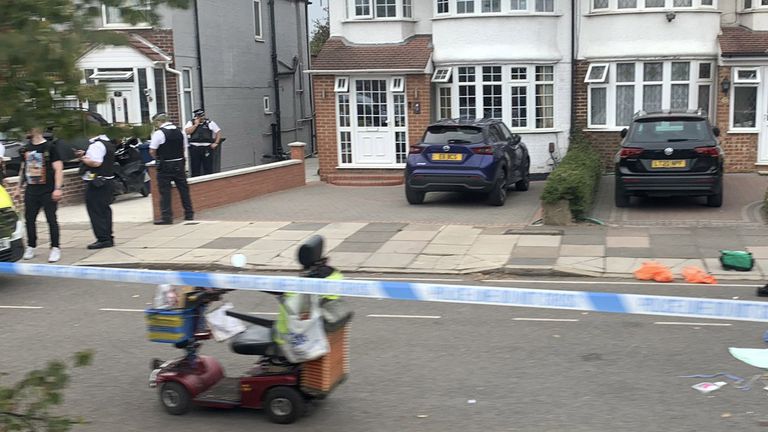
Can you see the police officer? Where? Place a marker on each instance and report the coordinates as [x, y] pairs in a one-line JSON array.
[[97, 169], [167, 146], [204, 138]]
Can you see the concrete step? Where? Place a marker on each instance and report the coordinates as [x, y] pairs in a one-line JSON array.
[[365, 180]]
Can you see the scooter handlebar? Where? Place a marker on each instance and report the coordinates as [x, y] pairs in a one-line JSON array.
[[251, 319]]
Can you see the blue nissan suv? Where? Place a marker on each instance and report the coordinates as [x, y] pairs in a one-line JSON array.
[[467, 156]]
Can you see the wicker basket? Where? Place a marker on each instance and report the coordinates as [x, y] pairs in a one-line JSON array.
[[319, 377]]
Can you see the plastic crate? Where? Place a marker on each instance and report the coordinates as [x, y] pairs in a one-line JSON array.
[[171, 325], [319, 377]]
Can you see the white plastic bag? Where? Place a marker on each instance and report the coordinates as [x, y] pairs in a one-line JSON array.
[[305, 339], [223, 326]]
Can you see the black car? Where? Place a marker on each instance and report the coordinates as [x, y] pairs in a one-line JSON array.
[[467, 156], [66, 146], [670, 154]]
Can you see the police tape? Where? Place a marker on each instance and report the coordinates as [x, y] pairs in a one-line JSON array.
[[482, 295]]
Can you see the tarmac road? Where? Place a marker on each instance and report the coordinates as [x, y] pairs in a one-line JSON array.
[[415, 366]]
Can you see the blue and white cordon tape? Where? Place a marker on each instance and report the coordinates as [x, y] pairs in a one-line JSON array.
[[522, 297]]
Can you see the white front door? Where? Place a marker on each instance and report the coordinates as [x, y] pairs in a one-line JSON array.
[[121, 106], [374, 138]]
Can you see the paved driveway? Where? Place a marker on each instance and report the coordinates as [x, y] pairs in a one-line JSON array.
[[742, 204], [320, 202]]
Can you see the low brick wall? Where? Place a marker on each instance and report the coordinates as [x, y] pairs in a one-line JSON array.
[[229, 187], [73, 189]]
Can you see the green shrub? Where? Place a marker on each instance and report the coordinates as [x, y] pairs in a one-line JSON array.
[[576, 177]]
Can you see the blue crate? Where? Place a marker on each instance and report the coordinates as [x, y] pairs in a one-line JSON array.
[[171, 325]]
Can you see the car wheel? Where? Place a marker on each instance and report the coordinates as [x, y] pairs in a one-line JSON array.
[[175, 398], [284, 405], [413, 196], [498, 195], [525, 182], [620, 198]]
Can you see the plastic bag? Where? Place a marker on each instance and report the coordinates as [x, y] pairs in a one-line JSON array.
[[223, 326], [653, 270], [736, 260], [300, 328], [336, 313], [695, 274]]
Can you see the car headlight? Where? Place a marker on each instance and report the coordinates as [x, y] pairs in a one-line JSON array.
[[19, 232]]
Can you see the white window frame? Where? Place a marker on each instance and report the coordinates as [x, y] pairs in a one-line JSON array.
[[341, 84], [146, 6], [188, 90], [732, 98], [603, 76], [397, 85], [505, 7], [400, 7], [353, 11], [737, 80], [442, 74], [111, 75], [694, 82], [448, 4], [258, 35], [267, 104], [613, 6]]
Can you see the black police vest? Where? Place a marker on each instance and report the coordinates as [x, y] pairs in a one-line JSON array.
[[107, 167], [203, 134], [173, 147]]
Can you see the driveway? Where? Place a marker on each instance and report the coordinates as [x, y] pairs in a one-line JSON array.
[[321, 202], [742, 204]]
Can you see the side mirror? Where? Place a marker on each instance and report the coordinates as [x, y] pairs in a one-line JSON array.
[[624, 132], [515, 139], [311, 251], [716, 131]]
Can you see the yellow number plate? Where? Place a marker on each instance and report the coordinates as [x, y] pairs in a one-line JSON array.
[[447, 156], [668, 164]]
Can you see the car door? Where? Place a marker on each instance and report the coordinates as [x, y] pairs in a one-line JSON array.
[[511, 149]]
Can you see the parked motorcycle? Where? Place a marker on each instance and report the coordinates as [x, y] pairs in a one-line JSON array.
[[130, 172]]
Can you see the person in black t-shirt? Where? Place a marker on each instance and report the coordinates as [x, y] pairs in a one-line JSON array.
[[42, 176]]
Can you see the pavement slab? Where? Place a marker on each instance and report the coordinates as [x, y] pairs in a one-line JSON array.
[[613, 241], [404, 247], [594, 264], [350, 246], [582, 250], [535, 252], [420, 235], [389, 260], [539, 240], [445, 250], [204, 256]]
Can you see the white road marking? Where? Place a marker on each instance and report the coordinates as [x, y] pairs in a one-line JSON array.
[[21, 307], [512, 281], [410, 279], [546, 319], [120, 310], [692, 324], [405, 316]]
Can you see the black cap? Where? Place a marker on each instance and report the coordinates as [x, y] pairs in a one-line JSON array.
[[161, 116], [198, 112]]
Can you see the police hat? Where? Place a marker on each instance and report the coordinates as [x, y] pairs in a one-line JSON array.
[[198, 112]]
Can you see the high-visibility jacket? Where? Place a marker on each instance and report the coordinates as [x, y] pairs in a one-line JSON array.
[[282, 317]]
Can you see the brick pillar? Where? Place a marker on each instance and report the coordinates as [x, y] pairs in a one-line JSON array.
[[154, 191], [297, 153], [418, 93], [325, 119]]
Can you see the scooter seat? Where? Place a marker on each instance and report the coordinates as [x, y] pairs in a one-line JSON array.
[[255, 340]]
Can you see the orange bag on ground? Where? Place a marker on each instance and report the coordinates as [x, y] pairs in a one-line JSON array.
[[695, 274], [653, 270]]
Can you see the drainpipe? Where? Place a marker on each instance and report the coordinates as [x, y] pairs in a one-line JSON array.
[[573, 63], [179, 86], [308, 87], [199, 55], [277, 146]]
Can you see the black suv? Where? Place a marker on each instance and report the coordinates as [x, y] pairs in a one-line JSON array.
[[670, 154], [467, 156]]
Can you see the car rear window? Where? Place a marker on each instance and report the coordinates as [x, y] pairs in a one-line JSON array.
[[670, 130], [453, 135]]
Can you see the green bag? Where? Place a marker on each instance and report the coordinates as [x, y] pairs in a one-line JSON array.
[[736, 260]]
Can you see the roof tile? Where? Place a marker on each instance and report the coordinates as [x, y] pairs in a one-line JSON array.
[[339, 54], [742, 42]]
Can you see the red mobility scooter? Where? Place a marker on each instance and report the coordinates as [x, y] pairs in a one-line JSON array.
[[281, 388]]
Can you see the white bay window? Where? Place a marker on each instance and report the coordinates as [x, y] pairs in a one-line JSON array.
[[652, 86], [374, 9], [650, 5], [479, 7]]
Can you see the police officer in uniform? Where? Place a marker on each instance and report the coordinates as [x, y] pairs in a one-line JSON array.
[[97, 169], [167, 146], [204, 138]]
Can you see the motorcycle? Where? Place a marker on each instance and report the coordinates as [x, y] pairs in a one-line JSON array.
[[130, 172]]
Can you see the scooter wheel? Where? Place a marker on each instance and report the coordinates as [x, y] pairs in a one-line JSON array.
[[175, 398], [284, 405]]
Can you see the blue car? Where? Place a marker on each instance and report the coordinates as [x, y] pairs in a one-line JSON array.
[[480, 156]]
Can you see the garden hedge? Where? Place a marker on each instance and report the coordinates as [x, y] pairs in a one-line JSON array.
[[576, 177]]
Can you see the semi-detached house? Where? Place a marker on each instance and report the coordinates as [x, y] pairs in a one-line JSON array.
[[393, 66]]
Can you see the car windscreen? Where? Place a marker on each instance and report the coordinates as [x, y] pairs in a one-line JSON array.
[[453, 135], [670, 130]]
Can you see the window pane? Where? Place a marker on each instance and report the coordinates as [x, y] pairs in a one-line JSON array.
[[492, 73], [683, 3], [600, 4], [747, 74], [625, 105], [491, 5], [596, 73], [345, 139], [467, 102], [625, 72], [371, 103], [703, 103], [679, 97], [705, 70], [257, 19], [407, 9], [747, 4], [343, 108], [597, 103], [627, 4], [188, 105], [744, 107], [707, 3], [652, 98], [465, 6], [518, 74], [519, 107], [160, 89], [467, 74], [518, 5], [545, 106], [492, 101], [399, 102], [545, 73], [362, 7], [401, 147], [545, 5], [654, 3], [186, 76], [386, 8], [652, 71], [444, 102], [681, 71], [442, 6]]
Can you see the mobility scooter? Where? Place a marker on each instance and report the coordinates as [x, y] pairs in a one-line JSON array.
[[279, 387]]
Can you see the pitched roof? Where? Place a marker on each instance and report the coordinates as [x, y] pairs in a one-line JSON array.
[[148, 48], [743, 42], [339, 54]]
